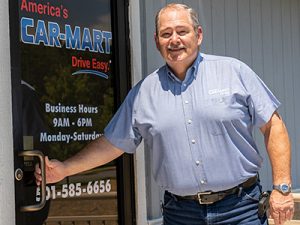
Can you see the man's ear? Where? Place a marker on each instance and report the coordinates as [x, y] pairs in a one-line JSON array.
[[200, 35]]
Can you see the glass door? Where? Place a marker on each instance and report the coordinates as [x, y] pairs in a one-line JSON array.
[[65, 90]]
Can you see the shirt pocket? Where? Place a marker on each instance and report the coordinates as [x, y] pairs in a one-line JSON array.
[[218, 110]]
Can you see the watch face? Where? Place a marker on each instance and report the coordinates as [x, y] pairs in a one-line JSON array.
[[284, 188]]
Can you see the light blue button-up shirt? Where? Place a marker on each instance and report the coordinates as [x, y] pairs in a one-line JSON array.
[[200, 129]]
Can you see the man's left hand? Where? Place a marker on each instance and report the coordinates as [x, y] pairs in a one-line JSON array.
[[281, 207]]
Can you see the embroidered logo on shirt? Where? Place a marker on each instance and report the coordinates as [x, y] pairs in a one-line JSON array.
[[220, 92]]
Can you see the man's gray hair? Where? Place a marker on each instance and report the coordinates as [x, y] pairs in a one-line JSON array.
[[193, 15]]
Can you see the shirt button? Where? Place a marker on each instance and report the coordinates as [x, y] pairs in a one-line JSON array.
[[184, 84], [193, 141], [186, 102], [197, 162], [189, 121], [202, 181]]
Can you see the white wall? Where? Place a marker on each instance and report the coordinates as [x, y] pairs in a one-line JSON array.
[[7, 201], [265, 34], [136, 72]]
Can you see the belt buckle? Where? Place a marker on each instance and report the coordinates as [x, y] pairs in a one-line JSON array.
[[201, 202]]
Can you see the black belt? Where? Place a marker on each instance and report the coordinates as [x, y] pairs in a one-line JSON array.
[[212, 197]]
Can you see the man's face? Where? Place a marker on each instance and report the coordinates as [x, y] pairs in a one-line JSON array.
[[176, 39]]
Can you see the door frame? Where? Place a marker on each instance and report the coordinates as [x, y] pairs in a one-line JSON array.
[[121, 65], [125, 165]]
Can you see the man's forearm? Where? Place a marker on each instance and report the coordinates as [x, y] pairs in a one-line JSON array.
[[279, 149], [96, 153]]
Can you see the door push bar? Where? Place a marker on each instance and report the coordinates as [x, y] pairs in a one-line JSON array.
[[19, 176]]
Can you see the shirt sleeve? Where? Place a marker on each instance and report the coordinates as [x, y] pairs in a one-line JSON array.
[[120, 131], [262, 103]]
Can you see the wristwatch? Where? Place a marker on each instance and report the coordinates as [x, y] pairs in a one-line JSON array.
[[284, 188]]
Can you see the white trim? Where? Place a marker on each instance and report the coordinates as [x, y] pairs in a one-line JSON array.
[[135, 40], [136, 71], [140, 181], [155, 222], [7, 191]]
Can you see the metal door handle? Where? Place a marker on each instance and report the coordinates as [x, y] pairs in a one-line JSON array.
[[41, 204]]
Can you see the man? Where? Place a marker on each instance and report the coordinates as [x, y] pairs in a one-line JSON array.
[[197, 114]]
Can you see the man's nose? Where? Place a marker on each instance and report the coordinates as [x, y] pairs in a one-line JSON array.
[[175, 38]]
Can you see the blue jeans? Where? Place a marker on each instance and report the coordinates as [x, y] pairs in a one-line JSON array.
[[232, 210]]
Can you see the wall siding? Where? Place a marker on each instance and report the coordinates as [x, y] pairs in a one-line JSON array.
[[265, 34]]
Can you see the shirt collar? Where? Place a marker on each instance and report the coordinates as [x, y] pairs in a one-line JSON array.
[[193, 69]]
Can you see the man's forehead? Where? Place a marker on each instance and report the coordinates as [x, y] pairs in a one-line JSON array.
[[173, 12], [170, 16]]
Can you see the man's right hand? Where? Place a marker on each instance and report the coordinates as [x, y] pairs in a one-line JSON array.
[[96, 153], [55, 171]]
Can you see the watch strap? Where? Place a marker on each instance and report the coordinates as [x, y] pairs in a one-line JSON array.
[[283, 188]]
